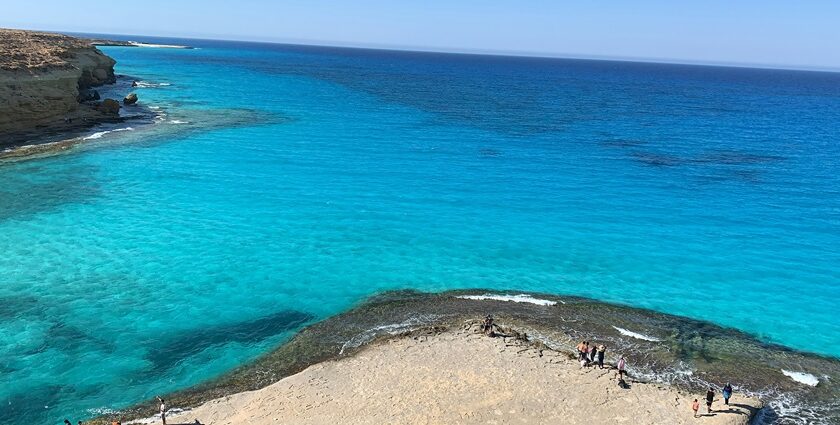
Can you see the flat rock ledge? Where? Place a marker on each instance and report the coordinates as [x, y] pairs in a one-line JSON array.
[[459, 376]]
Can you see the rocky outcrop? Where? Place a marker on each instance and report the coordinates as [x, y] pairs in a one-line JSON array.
[[97, 68], [109, 106], [130, 99], [88, 96], [41, 78]]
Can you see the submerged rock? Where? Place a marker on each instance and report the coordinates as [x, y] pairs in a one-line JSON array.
[[130, 99]]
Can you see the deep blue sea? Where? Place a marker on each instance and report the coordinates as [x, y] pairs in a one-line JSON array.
[[283, 184]]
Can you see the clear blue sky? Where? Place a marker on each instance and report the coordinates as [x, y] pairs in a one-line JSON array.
[[802, 33]]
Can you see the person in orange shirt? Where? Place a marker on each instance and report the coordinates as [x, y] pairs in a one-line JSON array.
[[695, 407]]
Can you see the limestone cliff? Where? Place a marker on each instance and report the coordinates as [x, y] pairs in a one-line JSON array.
[[41, 75]]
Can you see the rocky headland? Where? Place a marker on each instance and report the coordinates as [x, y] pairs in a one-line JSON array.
[[47, 85]]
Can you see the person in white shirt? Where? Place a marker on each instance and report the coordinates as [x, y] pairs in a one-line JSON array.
[[162, 410], [621, 365]]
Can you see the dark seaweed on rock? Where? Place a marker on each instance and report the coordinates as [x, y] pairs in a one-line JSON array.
[[195, 122]]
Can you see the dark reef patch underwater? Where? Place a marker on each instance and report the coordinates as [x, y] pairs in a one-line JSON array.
[[689, 354]]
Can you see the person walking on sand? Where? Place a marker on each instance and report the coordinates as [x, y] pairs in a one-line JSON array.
[[621, 364], [727, 393], [710, 397], [162, 410], [601, 351], [593, 351], [695, 407]]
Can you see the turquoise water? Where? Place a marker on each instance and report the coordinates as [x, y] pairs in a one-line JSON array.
[[312, 177]]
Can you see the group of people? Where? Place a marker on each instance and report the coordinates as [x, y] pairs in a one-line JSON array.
[[710, 398], [588, 353]]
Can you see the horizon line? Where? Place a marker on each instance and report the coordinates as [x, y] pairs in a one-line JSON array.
[[482, 52]]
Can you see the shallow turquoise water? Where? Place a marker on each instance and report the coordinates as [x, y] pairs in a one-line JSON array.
[[151, 264]]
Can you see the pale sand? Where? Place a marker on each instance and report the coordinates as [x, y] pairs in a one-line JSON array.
[[458, 377]]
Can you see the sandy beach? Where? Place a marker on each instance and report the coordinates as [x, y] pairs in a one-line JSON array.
[[460, 377]]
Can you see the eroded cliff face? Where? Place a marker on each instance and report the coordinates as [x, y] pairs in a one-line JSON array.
[[41, 76]]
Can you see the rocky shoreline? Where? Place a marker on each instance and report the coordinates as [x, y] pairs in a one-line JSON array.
[[461, 375], [668, 350], [48, 87]]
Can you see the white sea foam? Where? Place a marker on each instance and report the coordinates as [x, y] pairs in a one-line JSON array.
[[802, 377], [792, 408], [158, 46], [678, 372], [147, 84], [96, 135], [521, 298], [179, 122], [99, 411], [156, 418], [636, 335], [99, 134], [392, 329]]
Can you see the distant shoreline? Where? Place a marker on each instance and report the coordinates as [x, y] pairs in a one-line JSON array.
[[489, 53], [118, 43]]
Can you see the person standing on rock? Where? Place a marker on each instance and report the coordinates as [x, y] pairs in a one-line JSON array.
[[710, 398], [727, 393], [585, 354], [621, 364], [601, 352], [162, 410], [487, 326], [581, 348]]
